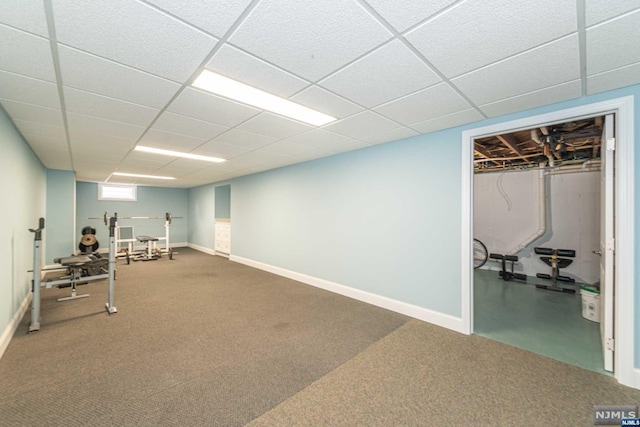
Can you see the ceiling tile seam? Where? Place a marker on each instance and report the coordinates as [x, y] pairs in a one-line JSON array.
[[112, 61], [515, 55], [221, 41], [531, 92], [48, 10], [633, 64], [432, 17], [581, 15], [177, 19], [30, 104], [614, 18], [11, 27], [415, 51]]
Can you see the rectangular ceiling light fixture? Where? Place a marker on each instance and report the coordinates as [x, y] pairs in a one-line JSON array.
[[179, 154], [135, 175], [224, 86]]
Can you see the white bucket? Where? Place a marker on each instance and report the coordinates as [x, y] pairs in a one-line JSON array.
[[590, 304]]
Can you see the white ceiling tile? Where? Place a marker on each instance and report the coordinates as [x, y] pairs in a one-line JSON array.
[[41, 129], [310, 38], [28, 90], [325, 140], [134, 34], [214, 18], [362, 125], [600, 10], [175, 123], [620, 77], [426, 104], [408, 74], [204, 106], [28, 15], [183, 166], [37, 63], [326, 102], [250, 70], [391, 135], [61, 163], [171, 141], [476, 33], [48, 143], [82, 123], [402, 14], [87, 159], [312, 155], [258, 158], [90, 73], [274, 126], [244, 139], [549, 65], [534, 99], [220, 149], [33, 113], [287, 148], [99, 143], [90, 104], [448, 121], [613, 44]]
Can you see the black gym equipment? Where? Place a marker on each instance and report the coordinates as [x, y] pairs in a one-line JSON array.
[[80, 268], [88, 242], [555, 261], [507, 275]]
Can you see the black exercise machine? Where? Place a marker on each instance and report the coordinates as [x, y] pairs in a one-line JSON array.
[[555, 260], [504, 273], [78, 266]]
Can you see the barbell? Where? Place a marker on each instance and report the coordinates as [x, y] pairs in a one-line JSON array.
[[167, 217]]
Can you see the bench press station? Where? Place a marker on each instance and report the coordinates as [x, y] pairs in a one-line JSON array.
[[76, 264]]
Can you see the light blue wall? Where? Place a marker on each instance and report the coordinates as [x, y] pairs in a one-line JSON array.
[[386, 219], [23, 202], [152, 201], [223, 201], [201, 216], [61, 191]]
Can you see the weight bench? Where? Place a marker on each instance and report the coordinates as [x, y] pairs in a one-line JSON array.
[[556, 263], [504, 273], [76, 264], [150, 253]]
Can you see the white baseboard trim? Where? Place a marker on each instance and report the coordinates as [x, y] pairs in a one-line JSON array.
[[420, 313], [5, 339], [202, 249]]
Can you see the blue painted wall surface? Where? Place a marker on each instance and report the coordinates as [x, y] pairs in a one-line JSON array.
[[61, 190], [385, 219], [23, 202], [201, 216], [223, 201], [152, 201]]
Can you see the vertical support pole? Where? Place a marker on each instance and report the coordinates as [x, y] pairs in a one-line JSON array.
[[112, 265], [35, 301]]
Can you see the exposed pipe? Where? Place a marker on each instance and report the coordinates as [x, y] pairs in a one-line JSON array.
[[542, 213], [534, 137]]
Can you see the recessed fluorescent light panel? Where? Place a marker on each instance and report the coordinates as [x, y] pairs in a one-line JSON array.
[[178, 154], [224, 86], [135, 175]]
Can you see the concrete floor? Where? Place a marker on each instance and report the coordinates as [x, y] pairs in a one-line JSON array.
[[543, 322]]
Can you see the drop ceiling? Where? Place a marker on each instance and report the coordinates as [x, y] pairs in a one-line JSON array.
[[86, 81]]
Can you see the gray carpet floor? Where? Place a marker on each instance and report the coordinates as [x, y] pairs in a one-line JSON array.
[[204, 341]]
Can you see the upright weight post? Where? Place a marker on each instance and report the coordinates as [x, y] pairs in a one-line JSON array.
[[35, 301], [112, 265]]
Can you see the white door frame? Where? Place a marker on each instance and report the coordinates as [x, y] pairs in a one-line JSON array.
[[624, 318]]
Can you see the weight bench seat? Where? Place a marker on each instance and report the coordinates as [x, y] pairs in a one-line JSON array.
[[145, 239], [74, 260]]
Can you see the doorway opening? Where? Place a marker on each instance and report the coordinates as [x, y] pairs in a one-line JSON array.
[[623, 245], [537, 211]]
